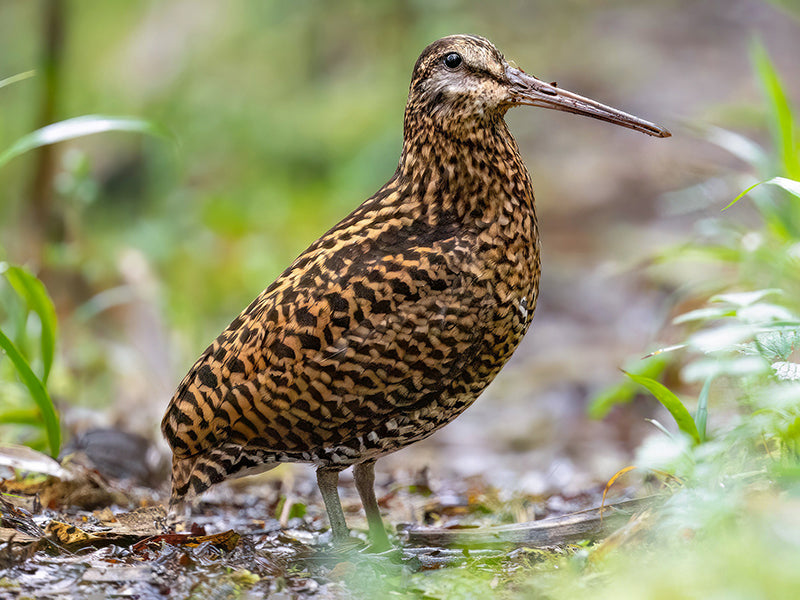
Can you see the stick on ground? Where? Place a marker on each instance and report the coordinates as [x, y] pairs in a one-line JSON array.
[[553, 531]]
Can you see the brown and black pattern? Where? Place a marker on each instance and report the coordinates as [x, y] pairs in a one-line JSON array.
[[393, 322]]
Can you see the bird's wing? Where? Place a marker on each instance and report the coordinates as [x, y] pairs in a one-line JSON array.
[[321, 357]]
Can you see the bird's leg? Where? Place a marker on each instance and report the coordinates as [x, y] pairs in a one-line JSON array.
[[328, 482], [364, 474]]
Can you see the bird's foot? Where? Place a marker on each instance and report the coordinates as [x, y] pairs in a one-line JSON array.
[[378, 540], [338, 549]]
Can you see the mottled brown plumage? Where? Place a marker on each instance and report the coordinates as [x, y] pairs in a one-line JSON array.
[[393, 322]]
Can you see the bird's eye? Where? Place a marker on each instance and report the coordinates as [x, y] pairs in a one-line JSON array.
[[452, 60]]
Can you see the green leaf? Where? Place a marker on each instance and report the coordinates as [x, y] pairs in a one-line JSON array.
[[733, 365], [660, 427], [15, 78], [79, 127], [701, 416], [623, 392], [784, 131], [704, 314], [742, 195], [298, 510], [672, 403], [763, 312], [790, 185], [21, 416], [721, 339], [32, 290], [745, 298], [777, 344], [38, 392]]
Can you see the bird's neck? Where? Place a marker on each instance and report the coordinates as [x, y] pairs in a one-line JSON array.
[[474, 172]]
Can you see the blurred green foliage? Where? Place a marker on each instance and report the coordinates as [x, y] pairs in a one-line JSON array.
[[748, 328], [23, 298], [265, 165], [724, 530], [225, 80], [31, 299]]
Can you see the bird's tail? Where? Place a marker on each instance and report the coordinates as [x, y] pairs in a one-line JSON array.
[[182, 488], [193, 475]]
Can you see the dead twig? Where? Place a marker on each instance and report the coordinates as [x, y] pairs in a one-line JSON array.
[[589, 524]]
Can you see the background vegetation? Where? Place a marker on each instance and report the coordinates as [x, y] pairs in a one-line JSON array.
[[248, 128]]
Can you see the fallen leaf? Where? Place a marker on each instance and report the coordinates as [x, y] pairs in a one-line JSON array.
[[226, 540], [27, 459]]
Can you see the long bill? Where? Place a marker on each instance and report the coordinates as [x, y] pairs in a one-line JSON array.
[[527, 89]]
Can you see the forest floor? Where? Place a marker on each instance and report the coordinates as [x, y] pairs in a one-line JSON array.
[[269, 537]]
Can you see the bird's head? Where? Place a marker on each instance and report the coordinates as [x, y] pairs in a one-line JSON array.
[[463, 81]]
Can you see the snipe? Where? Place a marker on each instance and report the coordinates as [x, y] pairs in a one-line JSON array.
[[393, 322]]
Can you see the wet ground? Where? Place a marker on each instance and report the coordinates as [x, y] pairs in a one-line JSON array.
[[260, 538]]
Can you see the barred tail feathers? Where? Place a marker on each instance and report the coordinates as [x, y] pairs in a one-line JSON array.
[[191, 476]]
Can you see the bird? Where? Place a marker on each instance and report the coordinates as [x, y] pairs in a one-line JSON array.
[[393, 322]]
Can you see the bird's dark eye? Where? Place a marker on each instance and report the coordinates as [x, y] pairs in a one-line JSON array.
[[452, 60]]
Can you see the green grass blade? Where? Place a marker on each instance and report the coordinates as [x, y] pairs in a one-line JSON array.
[[701, 417], [672, 403], [623, 392], [21, 416], [743, 299], [784, 131], [79, 127], [15, 78], [660, 427], [790, 185], [38, 392], [742, 195], [32, 290]]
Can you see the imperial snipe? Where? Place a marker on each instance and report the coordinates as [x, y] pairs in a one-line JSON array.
[[393, 322]]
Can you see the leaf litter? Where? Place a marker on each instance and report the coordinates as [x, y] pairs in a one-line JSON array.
[[68, 531]]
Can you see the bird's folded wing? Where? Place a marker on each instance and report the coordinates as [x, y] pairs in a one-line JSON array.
[[310, 362]]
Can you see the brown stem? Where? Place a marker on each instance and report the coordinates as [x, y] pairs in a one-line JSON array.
[[46, 223]]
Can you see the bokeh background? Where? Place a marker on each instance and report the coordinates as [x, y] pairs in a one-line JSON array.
[[283, 116]]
